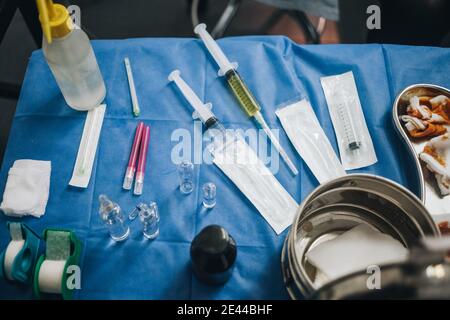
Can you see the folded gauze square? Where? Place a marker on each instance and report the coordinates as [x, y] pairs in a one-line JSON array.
[[355, 250], [27, 188]]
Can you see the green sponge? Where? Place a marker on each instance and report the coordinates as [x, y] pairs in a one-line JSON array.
[[58, 245]]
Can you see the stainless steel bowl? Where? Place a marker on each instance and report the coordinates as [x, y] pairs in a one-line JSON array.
[[425, 275], [340, 205], [396, 193]]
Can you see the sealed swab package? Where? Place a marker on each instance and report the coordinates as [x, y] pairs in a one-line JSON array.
[[241, 164], [304, 131], [88, 147], [354, 141]]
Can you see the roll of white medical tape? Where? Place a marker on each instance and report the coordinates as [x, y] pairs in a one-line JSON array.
[[12, 250], [50, 276]]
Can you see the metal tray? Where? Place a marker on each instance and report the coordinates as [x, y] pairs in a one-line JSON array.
[[428, 192]]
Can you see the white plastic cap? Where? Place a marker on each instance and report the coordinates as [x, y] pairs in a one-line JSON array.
[[138, 188], [138, 184], [224, 64], [129, 177], [202, 110]]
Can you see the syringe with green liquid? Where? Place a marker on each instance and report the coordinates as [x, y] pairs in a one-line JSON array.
[[240, 90]]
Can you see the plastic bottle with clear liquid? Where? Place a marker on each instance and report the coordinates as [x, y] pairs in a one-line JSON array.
[[70, 57]]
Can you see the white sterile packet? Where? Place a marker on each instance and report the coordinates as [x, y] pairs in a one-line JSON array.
[[88, 147], [303, 129], [241, 164], [354, 141]]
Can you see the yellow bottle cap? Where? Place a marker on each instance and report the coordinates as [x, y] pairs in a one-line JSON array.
[[54, 18]]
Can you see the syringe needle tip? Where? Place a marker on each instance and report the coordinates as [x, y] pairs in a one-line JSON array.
[[292, 167], [260, 119]]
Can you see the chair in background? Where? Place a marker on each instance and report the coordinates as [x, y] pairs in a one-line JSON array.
[[312, 33]]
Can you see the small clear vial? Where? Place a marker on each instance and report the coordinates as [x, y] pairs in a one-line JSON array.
[[133, 214], [186, 172], [149, 217], [209, 195], [112, 216]]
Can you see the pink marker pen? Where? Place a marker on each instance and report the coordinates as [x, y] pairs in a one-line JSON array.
[[131, 168], [139, 183]]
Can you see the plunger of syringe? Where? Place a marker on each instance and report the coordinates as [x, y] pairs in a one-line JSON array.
[[203, 110], [224, 64]]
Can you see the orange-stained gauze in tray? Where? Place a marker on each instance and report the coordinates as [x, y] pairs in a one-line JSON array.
[[436, 156], [427, 116]]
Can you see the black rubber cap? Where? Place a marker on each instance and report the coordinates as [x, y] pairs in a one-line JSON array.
[[213, 253], [211, 122]]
